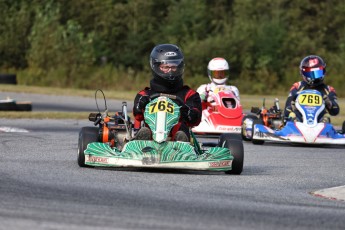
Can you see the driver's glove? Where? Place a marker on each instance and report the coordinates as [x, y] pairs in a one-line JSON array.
[[292, 116], [142, 102], [188, 115], [211, 101], [328, 102]]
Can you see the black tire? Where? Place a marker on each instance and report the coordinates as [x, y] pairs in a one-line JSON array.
[[13, 106], [343, 127], [8, 106], [235, 144], [8, 79], [248, 116], [257, 142], [86, 136], [24, 106]]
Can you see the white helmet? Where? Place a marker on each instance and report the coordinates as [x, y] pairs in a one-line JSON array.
[[218, 70]]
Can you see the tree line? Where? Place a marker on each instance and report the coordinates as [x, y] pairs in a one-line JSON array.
[[91, 43]]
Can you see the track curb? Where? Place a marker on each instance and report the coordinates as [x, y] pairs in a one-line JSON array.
[[334, 193]]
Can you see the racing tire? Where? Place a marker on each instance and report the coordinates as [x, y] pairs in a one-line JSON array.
[[24, 106], [248, 116], [234, 143], [8, 106], [8, 79], [86, 136], [257, 142], [13, 106]]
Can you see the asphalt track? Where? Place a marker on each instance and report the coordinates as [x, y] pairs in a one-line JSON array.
[[42, 187], [65, 103]]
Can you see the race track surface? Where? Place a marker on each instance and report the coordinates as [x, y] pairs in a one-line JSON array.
[[66, 103], [42, 187]]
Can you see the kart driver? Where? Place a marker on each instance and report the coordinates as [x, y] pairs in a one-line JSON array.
[[167, 65], [313, 70], [218, 73]]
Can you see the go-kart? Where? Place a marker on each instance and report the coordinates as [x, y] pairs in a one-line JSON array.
[[306, 129], [223, 115], [271, 118], [113, 144]]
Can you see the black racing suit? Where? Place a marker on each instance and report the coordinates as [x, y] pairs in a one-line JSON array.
[[324, 89], [190, 97]]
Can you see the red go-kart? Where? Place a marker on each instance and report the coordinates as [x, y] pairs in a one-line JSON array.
[[222, 115]]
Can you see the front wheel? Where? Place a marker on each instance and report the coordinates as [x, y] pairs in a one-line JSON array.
[[234, 143], [246, 129], [86, 136], [343, 128], [257, 142]]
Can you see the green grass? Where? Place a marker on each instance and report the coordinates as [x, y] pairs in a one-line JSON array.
[[110, 94], [247, 102], [44, 115]]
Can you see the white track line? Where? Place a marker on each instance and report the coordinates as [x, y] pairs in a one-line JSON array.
[[5, 129]]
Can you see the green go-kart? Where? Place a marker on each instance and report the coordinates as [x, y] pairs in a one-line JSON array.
[[112, 143]]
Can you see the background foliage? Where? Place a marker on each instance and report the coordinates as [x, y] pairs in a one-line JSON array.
[[90, 43]]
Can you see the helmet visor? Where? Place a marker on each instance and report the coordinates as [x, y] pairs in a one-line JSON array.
[[169, 69], [313, 73], [219, 74], [175, 62]]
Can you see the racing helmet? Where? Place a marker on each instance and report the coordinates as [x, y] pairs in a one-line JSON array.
[[218, 70], [313, 70], [167, 62]]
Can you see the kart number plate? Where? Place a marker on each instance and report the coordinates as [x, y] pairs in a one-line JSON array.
[[161, 106], [310, 99]]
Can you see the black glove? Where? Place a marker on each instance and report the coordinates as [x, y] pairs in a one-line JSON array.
[[142, 102], [188, 115], [328, 102]]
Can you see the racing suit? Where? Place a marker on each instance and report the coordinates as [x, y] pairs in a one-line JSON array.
[[328, 93], [190, 97], [206, 90]]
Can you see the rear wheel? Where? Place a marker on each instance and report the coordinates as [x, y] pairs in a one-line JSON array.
[[86, 136], [246, 128], [234, 143], [257, 142]]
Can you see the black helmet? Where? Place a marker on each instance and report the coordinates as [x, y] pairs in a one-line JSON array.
[[167, 62], [313, 70]]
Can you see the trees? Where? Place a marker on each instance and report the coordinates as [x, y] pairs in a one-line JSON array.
[[71, 43], [15, 24], [58, 52]]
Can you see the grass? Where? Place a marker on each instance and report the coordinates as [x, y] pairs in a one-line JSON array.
[[44, 115], [247, 102], [110, 94]]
